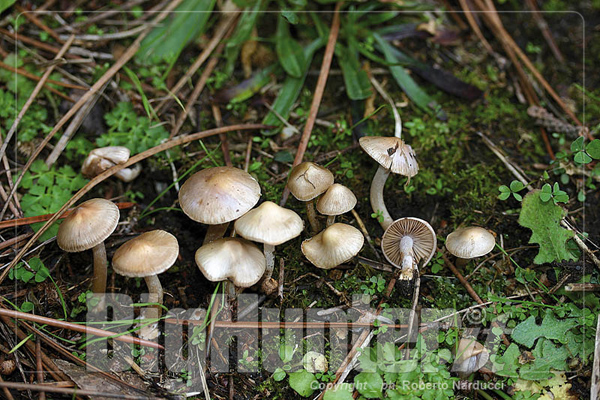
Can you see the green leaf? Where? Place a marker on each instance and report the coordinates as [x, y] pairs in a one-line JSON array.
[[593, 149], [27, 306], [356, 80], [577, 144], [289, 52], [303, 382], [508, 363], [504, 189], [582, 158], [166, 41], [279, 375], [242, 34], [547, 357], [138, 85], [5, 4], [518, 196], [339, 392], [543, 218], [408, 85], [516, 186], [527, 332], [369, 384]]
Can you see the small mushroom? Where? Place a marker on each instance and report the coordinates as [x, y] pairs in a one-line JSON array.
[[146, 256], [406, 243], [103, 158], [217, 196], [470, 357], [315, 362], [87, 227], [307, 181], [393, 155], [337, 200], [234, 260], [271, 225], [334, 245], [471, 242]]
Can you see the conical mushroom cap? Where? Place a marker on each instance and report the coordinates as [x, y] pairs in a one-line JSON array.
[[231, 258], [151, 253], [88, 225], [470, 242], [422, 234], [270, 224], [308, 180], [391, 153], [337, 200], [218, 195], [333, 246]]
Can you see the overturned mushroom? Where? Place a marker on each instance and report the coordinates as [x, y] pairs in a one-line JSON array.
[[87, 227], [217, 196], [471, 242], [103, 158], [307, 181], [272, 225], [406, 243], [470, 357], [337, 200], [236, 261], [393, 155], [334, 245]]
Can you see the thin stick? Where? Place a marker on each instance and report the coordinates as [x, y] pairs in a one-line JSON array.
[[474, 26], [78, 328], [318, 95], [31, 17], [28, 103], [13, 223], [595, 389], [127, 55], [543, 25], [72, 392], [5, 390], [411, 318], [365, 232], [386, 97], [111, 171], [208, 50], [223, 137], [39, 368], [33, 77]]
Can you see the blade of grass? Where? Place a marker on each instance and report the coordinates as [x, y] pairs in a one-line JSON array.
[[138, 85], [407, 84]]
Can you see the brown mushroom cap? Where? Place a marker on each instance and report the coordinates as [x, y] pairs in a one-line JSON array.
[[422, 234], [270, 224], [391, 153], [334, 245], [235, 259], [103, 158], [308, 180], [470, 242], [337, 200], [218, 195], [151, 253], [88, 225]]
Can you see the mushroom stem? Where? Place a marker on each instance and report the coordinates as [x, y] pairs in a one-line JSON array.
[[155, 291], [377, 202], [461, 262], [330, 220], [408, 261], [215, 232], [312, 216], [100, 263], [229, 289], [269, 249]]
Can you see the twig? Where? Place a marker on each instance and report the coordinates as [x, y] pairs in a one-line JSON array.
[[77, 328], [15, 240], [39, 367], [469, 16], [127, 55], [111, 171], [504, 160], [72, 392], [31, 17], [595, 389], [411, 318], [5, 390], [208, 50], [223, 137], [386, 97], [543, 25], [73, 126], [111, 36], [365, 232], [318, 95]]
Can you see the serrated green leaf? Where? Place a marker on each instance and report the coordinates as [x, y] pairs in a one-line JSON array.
[[369, 384], [543, 218], [528, 331], [547, 357], [507, 364], [303, 382]]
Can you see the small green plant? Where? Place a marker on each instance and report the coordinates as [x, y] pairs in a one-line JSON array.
[[48, 189], [553, 192], [33, 269], [128, 129], [585, 153], [513, 189], [378, 215]]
